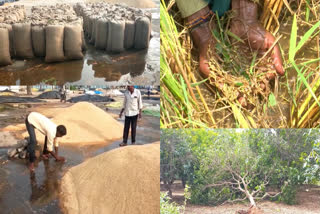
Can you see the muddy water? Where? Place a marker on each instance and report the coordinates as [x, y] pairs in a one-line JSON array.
[[21, 192], [97, 67]]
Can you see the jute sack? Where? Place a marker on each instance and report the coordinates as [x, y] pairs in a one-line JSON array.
[[54, 43], [116, 35], [9, 27], [84, 45], [93, 30], [73, 42], [101, 33], [142, 33], [129, 34], [5, 58], [22, 40], [39, 41]]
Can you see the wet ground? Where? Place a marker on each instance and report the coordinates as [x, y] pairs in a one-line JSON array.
[[307, 198], [21, 192], [97, 68]]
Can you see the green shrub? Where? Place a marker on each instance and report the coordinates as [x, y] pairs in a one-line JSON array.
[[167, 207]]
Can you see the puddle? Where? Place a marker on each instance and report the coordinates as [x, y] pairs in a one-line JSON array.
[[97, 68]]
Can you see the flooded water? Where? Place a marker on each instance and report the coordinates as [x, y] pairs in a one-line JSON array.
[[21, 192], [97, 67]]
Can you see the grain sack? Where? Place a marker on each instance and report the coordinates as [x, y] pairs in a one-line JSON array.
[[73, 42], [129, 34], [116, 35], [39, 41], [124, 180], [9, 28], [142, 33], [101, 34], [93, 30], [22, 40], [85, 23], [88, 26], [84, 45], [5, 58], [54, 43]]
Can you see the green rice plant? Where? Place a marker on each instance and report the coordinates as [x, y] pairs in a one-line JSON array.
[[300, 111]]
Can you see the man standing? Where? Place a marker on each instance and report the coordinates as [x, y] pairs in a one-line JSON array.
[[51, 132], [132, 107], [63, 95]]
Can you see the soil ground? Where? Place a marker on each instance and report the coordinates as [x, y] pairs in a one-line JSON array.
[[308, 202]]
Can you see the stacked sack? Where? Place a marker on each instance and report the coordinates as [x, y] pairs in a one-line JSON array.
[[115, 27], [8, 16], [56, 33], [53, 32]]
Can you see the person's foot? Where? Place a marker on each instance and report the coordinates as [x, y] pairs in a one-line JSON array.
[[45, 156], [122, 144], [31, 167], [245, 24], [202, 39]]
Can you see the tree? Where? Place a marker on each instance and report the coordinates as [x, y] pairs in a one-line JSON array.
[[229, 165], [176, 159], [29, 90]]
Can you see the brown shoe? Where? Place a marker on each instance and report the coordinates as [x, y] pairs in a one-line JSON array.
[[245, 24]]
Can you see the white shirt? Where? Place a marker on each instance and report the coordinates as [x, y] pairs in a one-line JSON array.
[[46, 127], [132, 103]]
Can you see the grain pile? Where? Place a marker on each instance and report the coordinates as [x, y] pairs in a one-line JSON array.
[[124, 180], [86, 124], [115, 27]]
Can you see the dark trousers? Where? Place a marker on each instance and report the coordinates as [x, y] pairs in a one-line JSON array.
[[32, 141], [45, 150], [133, 122]]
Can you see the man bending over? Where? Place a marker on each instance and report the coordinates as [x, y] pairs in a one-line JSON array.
[[51, 132]]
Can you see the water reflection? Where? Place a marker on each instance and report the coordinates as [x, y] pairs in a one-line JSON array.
[[44, 192]]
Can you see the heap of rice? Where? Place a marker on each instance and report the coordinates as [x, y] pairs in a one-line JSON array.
[[124, 180], [86, 124]]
